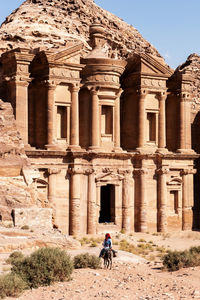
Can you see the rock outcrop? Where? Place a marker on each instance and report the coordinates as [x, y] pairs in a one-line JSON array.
[[14, 190], [50, 24], [192, 67]]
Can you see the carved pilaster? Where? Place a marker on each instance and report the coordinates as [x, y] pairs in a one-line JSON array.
[[141, 173], [127, 198], [50, 114], [74, 117], [75, 200], [187, 190], [162, 200], [95, 134], [141, 126], [92, 207], [162, 122]]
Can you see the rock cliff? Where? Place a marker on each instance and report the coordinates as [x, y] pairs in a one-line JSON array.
[[50, 24], [14, 190]]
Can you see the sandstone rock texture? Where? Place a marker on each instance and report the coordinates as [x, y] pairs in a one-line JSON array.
[[192, 67], [14, 190], [50, 24]]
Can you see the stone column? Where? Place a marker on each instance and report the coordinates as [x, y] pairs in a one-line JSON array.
[[50, 115], [141, 125], [117, 122], [91, 217], [162, 123], [186, 203], [162, 200], [21, 110], [75, 202], [182, 123], [126, 195], [95, 134], [52, 190], [141, 173], [74, 119]]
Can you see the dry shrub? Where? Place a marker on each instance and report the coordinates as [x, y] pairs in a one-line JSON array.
[[14, 256], [11, 285], [86, 260], [176, 260], [43, 267]]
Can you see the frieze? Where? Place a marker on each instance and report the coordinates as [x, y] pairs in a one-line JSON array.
[[153, 83]]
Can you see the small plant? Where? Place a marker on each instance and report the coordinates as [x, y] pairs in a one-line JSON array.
[[141, 241], [86, 260], [43, 267], [25, 227], [122, 231], [93, 244], [11, 285], [14, 256]]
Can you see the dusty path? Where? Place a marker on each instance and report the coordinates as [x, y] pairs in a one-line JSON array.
[[132, 277]]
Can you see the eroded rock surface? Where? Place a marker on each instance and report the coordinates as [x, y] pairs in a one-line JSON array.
[[50, 24], [192, 67], [14, 191]]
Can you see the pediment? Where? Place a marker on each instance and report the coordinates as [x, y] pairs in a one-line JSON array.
[[147, 65], [109, 177], [70, 55], [175, 181]]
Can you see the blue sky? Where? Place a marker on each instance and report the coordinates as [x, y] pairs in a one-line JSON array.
[[172, 26]]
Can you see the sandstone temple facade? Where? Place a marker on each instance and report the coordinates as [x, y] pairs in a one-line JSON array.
[[110, 137]]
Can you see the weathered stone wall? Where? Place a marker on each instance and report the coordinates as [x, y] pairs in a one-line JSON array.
[[33, 217]]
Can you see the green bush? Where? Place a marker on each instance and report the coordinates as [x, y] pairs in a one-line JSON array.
[[44, 267], [86, 260], [176, 260], [14, 256], [11, 285]]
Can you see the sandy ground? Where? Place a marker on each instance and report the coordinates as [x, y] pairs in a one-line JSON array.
[[131, 277]]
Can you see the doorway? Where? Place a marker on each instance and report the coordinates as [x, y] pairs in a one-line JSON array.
[[107, 204]]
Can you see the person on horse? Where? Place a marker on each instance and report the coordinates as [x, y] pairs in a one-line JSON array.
[[107, 244]]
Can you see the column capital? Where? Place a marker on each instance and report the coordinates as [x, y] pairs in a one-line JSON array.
[[162, 96], [184, 97], [187, 172], [51, 85], [162, 171], [75, 171], [139, 172], [89, 171], [94, 90], [75, 87], [54, 171], [142, 93]]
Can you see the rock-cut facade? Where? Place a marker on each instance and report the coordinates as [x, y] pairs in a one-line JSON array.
[[109, 137]]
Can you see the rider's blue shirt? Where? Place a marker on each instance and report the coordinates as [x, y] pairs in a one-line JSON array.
[[107, 243]]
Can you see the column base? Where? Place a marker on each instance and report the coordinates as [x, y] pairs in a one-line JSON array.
[[94, 149], [74, 148], [52, 147], [185, 151], [162, 150], [117, 149]]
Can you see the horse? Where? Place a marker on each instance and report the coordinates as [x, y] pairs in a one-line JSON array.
[[108, 256]]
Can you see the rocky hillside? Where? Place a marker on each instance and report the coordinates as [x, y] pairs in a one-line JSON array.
[[192, 66], [51, 23], [15, 190]]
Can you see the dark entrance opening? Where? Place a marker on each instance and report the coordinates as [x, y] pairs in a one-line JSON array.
[[107, 208]]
